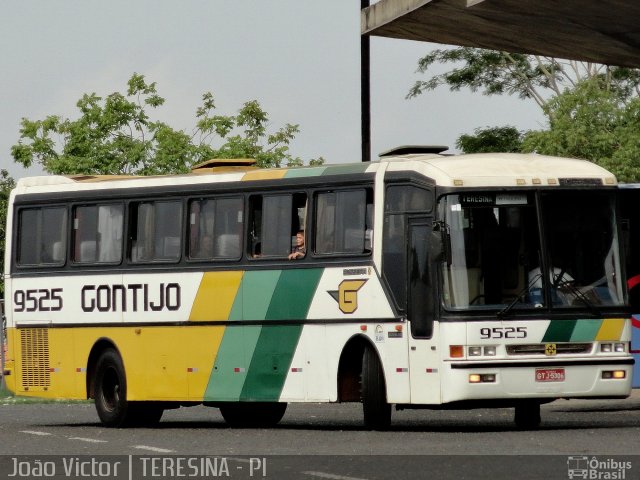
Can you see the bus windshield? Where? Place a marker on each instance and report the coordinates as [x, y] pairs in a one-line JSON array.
[[522, 250]]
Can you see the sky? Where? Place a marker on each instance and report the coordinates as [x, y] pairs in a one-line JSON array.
[[299, 58]]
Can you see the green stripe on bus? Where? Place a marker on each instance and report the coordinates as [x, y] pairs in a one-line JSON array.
[[258, 288], [586, 330], [559, 331], [232, 363], [236, 312], [293, 294], [271, 362], [344, 169], [305, 172], [253, 361]]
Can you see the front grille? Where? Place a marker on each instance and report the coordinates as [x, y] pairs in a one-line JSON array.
[[34, 345], [540, 348]]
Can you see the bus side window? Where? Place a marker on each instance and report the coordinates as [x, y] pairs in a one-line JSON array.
[[275, 219], [97, 234], [156, 235], [42, 236], [343, 218], [215, 228]]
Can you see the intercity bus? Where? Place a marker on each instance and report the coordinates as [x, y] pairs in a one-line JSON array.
[[426, 281]]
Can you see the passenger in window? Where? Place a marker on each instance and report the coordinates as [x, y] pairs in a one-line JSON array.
[[299, 251]]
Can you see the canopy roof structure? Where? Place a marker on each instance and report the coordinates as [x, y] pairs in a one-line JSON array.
[[600, 31]]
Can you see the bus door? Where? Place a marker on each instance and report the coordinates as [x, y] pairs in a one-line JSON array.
[[421, 301]]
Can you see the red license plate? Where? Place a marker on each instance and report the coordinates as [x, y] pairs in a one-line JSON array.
[[549, 374]]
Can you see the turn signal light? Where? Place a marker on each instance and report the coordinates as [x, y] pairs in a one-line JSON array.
[[456, 351]]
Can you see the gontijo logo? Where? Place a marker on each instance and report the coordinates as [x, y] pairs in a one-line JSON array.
[[347, 295]]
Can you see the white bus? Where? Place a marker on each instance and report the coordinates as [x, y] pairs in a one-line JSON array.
[[424, 281]]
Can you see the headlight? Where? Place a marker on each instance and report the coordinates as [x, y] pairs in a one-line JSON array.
[[475, 351], [490, 351]]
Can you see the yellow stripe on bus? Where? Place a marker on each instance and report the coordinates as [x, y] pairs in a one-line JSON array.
[[264, 174], [215, 296], [611, 329]]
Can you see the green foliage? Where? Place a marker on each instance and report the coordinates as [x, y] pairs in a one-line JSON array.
[[527, 76], [115, 135], [6, 185], [593, 111], [491, 139], [491, 71], [595, 124]]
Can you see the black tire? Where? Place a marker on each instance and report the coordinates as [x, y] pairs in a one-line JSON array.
[[376, 410], [111, 390], [253, 414], [527, 415], [111, 396]]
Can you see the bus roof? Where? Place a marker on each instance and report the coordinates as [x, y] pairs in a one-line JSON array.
[[474, 170], [505, 169]]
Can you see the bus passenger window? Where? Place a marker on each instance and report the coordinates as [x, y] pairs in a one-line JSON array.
[[97, 234], [42, 236], [343, 219], [275, 220], [156, 233], [215, 228]]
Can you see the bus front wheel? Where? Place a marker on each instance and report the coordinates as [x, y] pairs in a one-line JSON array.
[[376, 410]]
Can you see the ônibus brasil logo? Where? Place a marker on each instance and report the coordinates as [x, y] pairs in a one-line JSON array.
[[596, 468]]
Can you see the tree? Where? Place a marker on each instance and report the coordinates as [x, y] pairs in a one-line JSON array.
[[6, 185], [595, 124], [115, 135], [532, 77], [491, 139], [592, 110]]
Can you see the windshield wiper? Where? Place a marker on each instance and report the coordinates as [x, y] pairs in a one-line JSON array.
[[502, 313], [571, 288]]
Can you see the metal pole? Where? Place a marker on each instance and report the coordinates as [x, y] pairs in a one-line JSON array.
[[365, 91]]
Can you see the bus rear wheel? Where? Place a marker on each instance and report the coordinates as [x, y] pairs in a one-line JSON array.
[[253, 414], [111, 390], [376, 410], [111, 396]]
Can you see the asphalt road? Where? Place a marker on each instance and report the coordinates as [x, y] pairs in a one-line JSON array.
[[327, 441]]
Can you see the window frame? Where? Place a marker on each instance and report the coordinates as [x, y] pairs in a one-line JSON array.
[[123, 250], [187, 243], [295, 195], [18, 231], [132, 224], [369, 211]]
